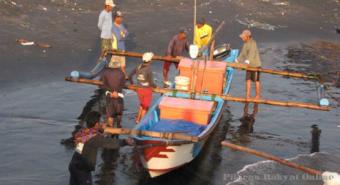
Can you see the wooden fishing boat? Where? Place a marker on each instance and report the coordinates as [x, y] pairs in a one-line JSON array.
[[159, 158]]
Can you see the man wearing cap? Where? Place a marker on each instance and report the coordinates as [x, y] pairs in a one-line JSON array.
[[176, 48], [145, 83], [120, 33], [105, 26], [203, 33], [250, 55], [113, 80]]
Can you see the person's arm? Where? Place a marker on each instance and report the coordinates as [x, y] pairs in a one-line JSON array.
[[103, 78], [125, 31], [187, 45], [243, 55], [133, 72], [100, 21], [210, 31], [170, 47], [100, 141], [253, 55], [151, 79]]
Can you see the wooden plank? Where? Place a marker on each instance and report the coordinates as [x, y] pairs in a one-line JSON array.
[[227, 98], [273, 158]]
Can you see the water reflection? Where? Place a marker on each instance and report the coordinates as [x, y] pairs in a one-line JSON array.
[[106, 175], [248, 119]]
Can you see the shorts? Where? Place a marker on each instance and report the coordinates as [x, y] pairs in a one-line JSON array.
[[166, 65], [145, 97], [253, 76], [106, 44], [120, 59], [114, 107]]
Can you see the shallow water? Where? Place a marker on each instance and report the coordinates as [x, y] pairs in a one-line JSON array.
[[38, 108]]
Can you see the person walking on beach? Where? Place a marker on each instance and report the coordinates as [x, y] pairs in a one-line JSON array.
[[88, 140], [250, 55], [176, 48], [120, 33], [203, 33], [113, 79], [145, 83], [105, 26]]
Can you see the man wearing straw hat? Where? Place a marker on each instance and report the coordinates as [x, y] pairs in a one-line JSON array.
[[250, 55], [114, 81], [145, 83], [105, 26]]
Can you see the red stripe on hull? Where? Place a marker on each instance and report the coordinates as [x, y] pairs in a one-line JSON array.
[[155, 151]]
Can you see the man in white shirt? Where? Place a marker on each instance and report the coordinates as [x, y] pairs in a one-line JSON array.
[[105, 26]]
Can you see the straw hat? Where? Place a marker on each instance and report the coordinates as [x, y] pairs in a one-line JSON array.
[[109, 3]]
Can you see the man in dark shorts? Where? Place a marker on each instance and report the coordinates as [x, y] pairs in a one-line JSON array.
[[145, 84], [114, 82], [176, 48], [250, 55], [88, 140]]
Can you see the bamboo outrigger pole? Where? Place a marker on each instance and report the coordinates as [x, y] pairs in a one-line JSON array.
[[233, 65], [227, 98], [273, 158]]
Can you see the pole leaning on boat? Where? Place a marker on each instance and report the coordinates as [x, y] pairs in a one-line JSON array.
[[227, 98]]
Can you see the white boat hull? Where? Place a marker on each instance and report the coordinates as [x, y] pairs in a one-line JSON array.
[[159, 160]]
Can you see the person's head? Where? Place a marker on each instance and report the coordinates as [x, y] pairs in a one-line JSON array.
[[200, 22], [118, 18], [147, 57], [92, 119], [182, 34], [109, 5], [245, 35]]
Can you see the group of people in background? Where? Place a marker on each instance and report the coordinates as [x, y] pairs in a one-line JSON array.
[[112, 72], [113, 37]]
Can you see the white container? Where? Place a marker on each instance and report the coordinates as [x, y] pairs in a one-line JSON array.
[[182, 83]]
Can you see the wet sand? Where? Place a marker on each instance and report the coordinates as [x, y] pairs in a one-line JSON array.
[[38, 108]]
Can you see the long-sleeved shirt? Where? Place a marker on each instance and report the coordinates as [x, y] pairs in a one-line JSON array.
[[177, 47], [144, 76], [121, 33], [88, 158], [105, 24], [113, 79], [202, 35], [250, 52]]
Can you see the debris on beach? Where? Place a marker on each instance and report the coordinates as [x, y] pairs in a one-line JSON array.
[[25, 42], [250, 23]]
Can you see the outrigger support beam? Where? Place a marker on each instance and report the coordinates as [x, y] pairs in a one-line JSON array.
[[233, 65], [271, 157], [227, 98]]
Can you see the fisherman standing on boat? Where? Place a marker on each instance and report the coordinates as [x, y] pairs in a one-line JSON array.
[[88, 140], [250, 55], [120, 33], [176, 48], [145, 83], [203, 33], [114, 82]]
